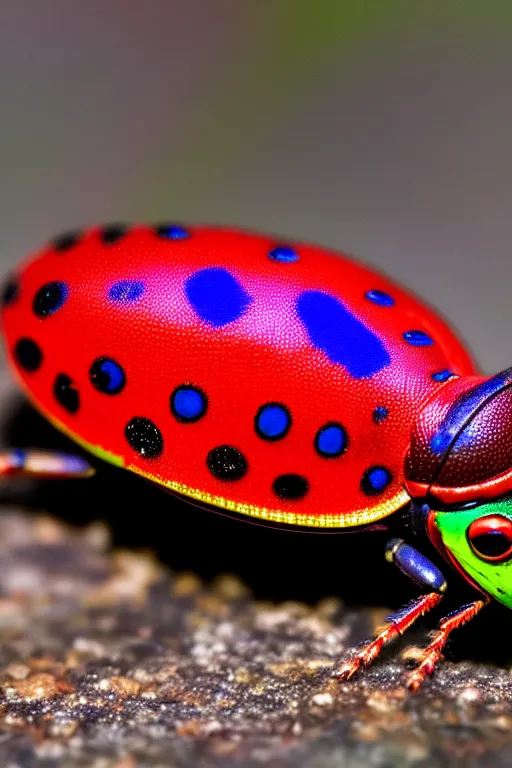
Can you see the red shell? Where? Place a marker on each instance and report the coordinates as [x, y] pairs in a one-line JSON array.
[[303, 327]]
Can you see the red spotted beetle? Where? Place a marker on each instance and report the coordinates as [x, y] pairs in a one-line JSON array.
[[278, 381]]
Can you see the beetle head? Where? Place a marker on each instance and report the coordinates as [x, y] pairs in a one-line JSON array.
[[477, 540], [459, 473]]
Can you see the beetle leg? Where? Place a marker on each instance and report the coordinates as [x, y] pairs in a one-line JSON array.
[[433, 652], [423, 572], [416, 566], [35, 463], [397, 625]]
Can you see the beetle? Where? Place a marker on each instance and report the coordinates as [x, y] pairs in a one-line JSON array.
[[278, 381]]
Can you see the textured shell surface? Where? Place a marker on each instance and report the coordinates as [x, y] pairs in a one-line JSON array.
[[269, 378]]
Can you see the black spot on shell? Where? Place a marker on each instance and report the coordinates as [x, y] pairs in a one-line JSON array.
[[10, 292], [290, 487], [28, 355], [226, 462], [66, 241], [66, 394], [144, 437], [113, 233], [49, 298]]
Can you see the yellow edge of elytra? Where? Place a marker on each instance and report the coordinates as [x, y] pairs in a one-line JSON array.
[[346, 520], [357, 517]]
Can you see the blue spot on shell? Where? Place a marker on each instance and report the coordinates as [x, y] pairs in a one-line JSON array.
[[380, 414], [331, 440], [443, 375], [115, 374], [216, 296], [172, 232], [272, 421], [188, 403], [107, 376], [344, 339], [126, 291], [284, 254], [375, 480], [380, 297], [418, 339]]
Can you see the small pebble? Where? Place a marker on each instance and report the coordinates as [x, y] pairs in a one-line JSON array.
[[40, 686], [468, 696], [322, 700]]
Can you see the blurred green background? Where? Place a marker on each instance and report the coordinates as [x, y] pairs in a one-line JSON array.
[[381, 128]]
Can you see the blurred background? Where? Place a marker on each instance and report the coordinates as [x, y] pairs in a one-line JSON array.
[[383, 128]]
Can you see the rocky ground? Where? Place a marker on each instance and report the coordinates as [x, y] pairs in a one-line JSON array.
[[109, 659]]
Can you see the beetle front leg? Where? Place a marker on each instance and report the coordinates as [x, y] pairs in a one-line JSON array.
[[44, 464], [433, 652], [424, 573]]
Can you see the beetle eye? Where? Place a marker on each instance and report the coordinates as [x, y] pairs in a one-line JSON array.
[[490, 538]]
